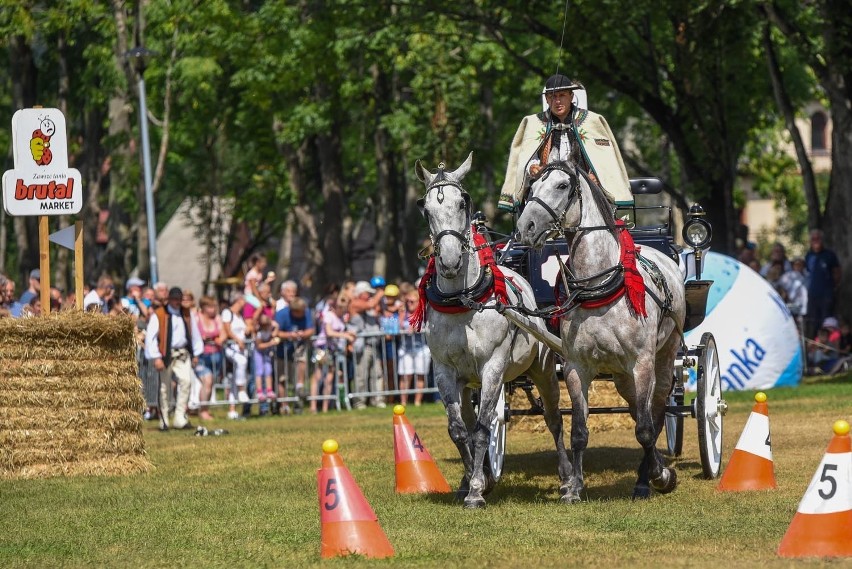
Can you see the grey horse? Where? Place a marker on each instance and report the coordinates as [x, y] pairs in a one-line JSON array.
[[638, 351], [477, 349]]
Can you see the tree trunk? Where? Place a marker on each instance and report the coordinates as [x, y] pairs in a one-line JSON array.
[[60, 265], [329, 151], [24, 76], [386, 211], [786, 107], [838, 206]]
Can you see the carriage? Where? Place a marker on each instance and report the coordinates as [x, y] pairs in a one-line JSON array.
[[650, 226]]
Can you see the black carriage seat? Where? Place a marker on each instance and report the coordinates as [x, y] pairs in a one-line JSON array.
[[645, 186]]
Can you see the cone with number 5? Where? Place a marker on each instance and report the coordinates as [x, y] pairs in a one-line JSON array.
[[751, 466], [416, 472], [822, 526], [349, 525]]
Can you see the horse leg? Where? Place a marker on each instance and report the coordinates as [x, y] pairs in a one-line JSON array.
[[665, 375], [579, 393], [469, 419], [544, 376], [452, 394], [651, 467], [492, 383]]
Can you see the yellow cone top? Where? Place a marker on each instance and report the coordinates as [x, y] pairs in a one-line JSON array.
[[760, 397], [399, 409], [330, 446], [841, 427]]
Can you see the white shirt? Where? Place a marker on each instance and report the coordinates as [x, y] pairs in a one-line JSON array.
[[238, 325], [179, 340], [92, 299]]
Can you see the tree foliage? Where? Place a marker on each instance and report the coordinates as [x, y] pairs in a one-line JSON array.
[[308, 115]]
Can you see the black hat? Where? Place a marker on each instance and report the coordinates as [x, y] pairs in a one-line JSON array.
[[559, 82], [175, 293]]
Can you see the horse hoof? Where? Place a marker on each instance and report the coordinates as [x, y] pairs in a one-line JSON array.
[[474, 504], [570, 498], [666, 482], [641, 492]]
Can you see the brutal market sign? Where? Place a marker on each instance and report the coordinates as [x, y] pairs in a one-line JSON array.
[[41, 183]]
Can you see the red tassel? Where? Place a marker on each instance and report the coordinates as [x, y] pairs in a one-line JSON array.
[[418, 317], [633, 281]]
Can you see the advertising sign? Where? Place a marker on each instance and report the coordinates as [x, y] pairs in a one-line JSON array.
[[756, 336], [41, 183]]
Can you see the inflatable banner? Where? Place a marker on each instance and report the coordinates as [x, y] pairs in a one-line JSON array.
[[756, 335]]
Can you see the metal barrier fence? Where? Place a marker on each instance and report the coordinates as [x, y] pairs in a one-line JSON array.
[[366, 373]]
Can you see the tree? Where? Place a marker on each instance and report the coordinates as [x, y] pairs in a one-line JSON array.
[[822, 33]]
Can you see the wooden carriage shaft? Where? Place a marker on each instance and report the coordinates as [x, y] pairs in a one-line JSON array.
[[675, 409]]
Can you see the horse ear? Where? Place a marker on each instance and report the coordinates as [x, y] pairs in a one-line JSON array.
[[423, 174], [462, 170]]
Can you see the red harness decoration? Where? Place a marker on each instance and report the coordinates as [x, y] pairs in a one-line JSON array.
[[634, 284], [486, 259]]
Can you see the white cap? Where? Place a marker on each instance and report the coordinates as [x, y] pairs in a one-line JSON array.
[[363, 286]]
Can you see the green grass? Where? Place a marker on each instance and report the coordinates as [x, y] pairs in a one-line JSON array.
[[249, 499]]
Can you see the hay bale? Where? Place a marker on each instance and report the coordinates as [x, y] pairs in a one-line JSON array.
[[70, 397], [601, 394]]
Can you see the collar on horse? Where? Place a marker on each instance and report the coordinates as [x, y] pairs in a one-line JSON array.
[[490, 282]]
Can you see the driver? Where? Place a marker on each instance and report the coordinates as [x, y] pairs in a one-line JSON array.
[[565, 130]]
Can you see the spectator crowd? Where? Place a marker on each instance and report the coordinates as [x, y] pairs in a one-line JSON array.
[[260, 348], [809, 286], [355, 345]]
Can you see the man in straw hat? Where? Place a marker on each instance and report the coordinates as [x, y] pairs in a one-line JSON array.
[[564, 130], [173, 343]]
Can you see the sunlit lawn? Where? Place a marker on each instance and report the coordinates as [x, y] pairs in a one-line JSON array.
[[250, 499]]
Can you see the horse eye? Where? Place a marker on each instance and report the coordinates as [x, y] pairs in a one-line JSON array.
[[563, 186], [462, 204]]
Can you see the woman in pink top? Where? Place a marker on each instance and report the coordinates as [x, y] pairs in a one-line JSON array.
[[332, 339], [210, 362]]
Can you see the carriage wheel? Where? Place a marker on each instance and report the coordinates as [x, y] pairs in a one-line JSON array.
[[497, 439], [709, 407], [674, 426]]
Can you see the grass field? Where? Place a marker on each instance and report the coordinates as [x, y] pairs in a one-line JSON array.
[[249, 499]]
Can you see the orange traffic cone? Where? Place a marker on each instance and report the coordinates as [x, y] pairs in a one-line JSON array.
[[416, 472], [751, 466], [822, 526], [349, 525]]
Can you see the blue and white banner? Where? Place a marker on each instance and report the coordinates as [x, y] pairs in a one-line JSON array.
[[756, 336]]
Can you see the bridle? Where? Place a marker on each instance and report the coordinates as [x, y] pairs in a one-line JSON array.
[[440, 182], [573, 191]]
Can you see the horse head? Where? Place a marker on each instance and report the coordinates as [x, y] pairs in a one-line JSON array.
[[553, 204], [446, 206]]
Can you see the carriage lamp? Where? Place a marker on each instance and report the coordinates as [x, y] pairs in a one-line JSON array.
[[697, 231]]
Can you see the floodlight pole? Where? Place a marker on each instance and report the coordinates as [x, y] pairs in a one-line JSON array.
[[139, 54]]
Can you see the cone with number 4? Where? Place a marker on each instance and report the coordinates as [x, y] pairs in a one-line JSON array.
[[751, 466], [822, 526], [349, 525], [416, 472]]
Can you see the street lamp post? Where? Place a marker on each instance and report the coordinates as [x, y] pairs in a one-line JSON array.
[[140, 55]]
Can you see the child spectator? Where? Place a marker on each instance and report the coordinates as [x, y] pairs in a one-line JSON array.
[[414, 356], [266, 339]]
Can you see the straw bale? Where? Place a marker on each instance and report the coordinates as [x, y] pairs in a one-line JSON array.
[[69, 400], [102, 466], [70, 397], [98, 380], [27, 417], [601, 394]]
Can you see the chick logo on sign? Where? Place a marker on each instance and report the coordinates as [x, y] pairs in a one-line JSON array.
[[40, 142], [41, 183]]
